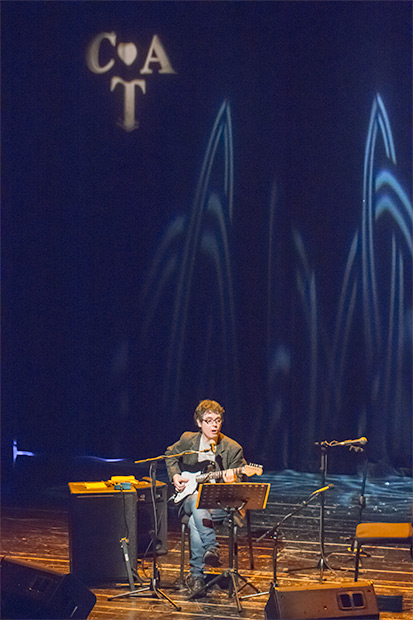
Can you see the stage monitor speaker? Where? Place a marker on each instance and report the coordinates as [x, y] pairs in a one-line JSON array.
[[28, 591], [146, 517], [327, 602], [99, 518]]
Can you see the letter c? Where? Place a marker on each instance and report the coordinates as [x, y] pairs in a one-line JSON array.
[[92, 53]]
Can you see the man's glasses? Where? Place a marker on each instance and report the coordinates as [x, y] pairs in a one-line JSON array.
[[211, 421]]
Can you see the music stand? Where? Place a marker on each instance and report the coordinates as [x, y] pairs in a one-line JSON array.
[[232, 498]]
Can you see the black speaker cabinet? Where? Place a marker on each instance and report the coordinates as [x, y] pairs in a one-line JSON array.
[[28, 591], [329, 602], [146, 525], [99, 518]]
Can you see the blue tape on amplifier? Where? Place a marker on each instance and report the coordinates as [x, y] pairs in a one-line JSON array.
[[124, 486]]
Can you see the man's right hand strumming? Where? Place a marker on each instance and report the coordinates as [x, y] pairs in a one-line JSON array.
[[179, 482]]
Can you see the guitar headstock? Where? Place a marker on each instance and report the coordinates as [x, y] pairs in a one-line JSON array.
[[252, 469]]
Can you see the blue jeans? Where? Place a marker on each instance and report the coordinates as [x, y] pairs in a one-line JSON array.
[[202, 532]]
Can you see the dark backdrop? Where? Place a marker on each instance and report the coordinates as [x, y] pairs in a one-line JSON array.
[[249, 242]]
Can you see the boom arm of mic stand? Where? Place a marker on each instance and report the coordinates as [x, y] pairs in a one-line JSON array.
[[169, 456], [272, 530]]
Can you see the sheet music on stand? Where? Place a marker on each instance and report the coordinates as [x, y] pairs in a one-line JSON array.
[[248, 495]]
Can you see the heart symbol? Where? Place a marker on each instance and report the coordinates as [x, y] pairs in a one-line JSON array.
[[127, 52]]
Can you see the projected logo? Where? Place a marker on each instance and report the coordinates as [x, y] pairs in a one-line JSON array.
[[105, 53]]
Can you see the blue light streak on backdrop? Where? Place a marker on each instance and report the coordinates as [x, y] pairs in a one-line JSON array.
[[205, 238]]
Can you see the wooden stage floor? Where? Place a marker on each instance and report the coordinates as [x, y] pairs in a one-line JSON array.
[[38, 532]]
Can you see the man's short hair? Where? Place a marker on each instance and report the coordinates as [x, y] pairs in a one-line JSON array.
[[208, 405]]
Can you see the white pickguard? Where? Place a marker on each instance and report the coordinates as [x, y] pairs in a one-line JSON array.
[[190, 486]]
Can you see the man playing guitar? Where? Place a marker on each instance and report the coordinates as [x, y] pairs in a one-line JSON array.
[[211, 446]]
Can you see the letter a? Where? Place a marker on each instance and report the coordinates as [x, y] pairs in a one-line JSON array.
[[157, 54]]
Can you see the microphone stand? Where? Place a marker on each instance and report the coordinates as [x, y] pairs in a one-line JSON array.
[[153, 586], [155, 579], [273, 533], [361, 501], [322, 564], [362, 498], [324, 445]]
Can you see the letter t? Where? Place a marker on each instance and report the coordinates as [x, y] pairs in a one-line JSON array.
[[129, 122]]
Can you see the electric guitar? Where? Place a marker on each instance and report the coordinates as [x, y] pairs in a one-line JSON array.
[[195, 478]]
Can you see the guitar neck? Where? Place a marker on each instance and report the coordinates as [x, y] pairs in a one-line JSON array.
[[215, 475]]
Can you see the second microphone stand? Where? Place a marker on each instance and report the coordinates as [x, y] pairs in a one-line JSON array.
[[273, 534], [322, 563], [324, 445]]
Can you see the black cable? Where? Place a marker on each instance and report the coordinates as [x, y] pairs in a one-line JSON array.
[[124, 512]]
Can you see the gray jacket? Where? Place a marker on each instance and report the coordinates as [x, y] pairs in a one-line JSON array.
[[228, 453]]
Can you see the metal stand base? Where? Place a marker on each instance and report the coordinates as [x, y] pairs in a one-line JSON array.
[[152, 590], [231, 572], [155, 592], [234, 575]]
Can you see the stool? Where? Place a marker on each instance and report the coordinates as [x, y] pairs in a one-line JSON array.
[[381, 534]]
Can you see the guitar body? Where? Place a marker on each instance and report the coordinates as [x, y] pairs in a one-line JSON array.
[[198, 477], [190, 487], [192, 472]]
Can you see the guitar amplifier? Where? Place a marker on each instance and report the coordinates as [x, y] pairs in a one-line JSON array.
[[100, 516]]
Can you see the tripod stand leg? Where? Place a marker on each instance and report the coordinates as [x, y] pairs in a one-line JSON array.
[[130, 573], [247, 582], [131, 593], [161, 595], [155, 592], [234, 590], [258, 593], [152, 588]]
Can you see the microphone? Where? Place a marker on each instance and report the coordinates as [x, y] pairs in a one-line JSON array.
[[329, 486], [212, 448], [352, 442]]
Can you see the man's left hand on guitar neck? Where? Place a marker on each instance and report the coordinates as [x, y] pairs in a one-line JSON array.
[[228, 475]]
